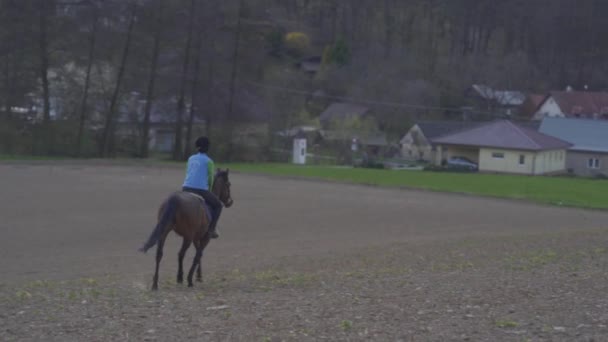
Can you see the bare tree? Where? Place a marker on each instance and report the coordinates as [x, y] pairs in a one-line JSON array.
[[151, 83], [108, 131], [194, 88], [87, 81], [233, 77], [177, 148], [44, 10]]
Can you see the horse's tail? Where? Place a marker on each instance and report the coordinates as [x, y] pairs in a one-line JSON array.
[[166, 217]]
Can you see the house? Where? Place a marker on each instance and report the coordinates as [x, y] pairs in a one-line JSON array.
[[417, 144], [249, 121], [342, 112], [487, 98], [505, 147], [310, 65], [162, 124], [589, 154], [574, 104]]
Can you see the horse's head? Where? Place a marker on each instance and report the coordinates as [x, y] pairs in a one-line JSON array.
[[221, 187]]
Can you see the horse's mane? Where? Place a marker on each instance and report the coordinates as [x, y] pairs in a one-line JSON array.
[[221, 174]]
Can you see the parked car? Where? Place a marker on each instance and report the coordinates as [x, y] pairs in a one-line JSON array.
[[461, 164]]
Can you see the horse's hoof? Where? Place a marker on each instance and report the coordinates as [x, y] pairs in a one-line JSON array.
[[154, 287], [190, 285], [200, 280], [180, 281]]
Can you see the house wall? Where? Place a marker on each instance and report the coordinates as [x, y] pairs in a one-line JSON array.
[[161, 140], [509, 163], [550, 162], [548, 108], [534, 163], [415, 146], [578, 163]]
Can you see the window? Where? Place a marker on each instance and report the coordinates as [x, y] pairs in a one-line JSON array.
[[498, 155], [593, 163], [522, 159]]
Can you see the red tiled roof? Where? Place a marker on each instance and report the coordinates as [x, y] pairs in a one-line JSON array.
[[581, 102], [503, 134]]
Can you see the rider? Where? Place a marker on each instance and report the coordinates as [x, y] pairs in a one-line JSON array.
[[199, 180]]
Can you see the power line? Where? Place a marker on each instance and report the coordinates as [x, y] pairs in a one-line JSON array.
[[368, 102]]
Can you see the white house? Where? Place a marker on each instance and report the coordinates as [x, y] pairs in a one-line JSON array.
[[574, 104]]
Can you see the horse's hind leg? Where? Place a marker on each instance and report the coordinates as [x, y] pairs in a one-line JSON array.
[[159, 256], [180, 259], [204, 243], [195, 261]]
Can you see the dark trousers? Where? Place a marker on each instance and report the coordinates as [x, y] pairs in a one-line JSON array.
[[212, 201]]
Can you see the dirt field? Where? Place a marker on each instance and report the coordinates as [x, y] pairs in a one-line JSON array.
[[296, 261]]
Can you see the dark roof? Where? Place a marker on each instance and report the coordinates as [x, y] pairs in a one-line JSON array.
[[364, 138], [162, 112], [436, 129], [502, 97], [503, 134], [342, 111], [248, 107], [581, 102], [584, 134]]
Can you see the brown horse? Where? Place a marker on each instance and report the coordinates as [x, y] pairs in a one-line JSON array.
[[186, 214]]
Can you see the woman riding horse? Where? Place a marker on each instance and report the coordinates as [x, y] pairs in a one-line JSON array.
[[185, 213], [199, 180]]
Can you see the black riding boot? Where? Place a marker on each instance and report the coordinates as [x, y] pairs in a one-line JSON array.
[[213, 225]]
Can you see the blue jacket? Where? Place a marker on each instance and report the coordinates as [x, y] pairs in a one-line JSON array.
[[199, 172]]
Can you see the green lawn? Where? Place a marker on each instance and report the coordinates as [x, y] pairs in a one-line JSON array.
[[20, 157], [574, 192]]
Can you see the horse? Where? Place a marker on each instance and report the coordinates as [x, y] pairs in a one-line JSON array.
[[187, 215]]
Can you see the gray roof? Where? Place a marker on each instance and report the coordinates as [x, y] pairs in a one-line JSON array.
[[503, 97], [342, 111], [503, 134], [584, 134], [436, 129]]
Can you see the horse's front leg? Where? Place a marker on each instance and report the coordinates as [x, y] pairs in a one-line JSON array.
[[195, 261], [180, 259], [204, 243]]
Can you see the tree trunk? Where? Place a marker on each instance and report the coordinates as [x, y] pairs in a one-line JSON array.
[[177, 148], [233, 77], [7, 103], [209, 86], [144, 151], [194, 96], [44, 67], [108, 131], [87, 81], [388, 28]]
